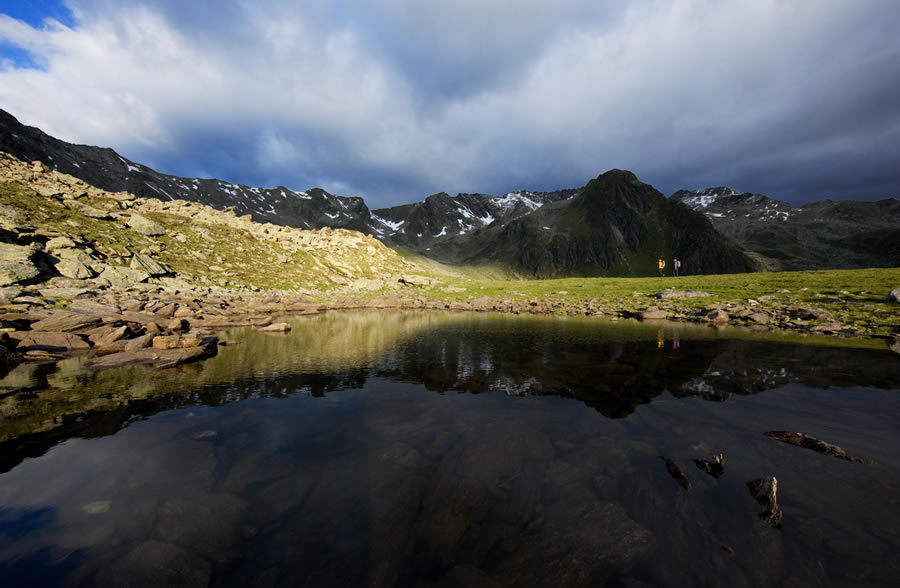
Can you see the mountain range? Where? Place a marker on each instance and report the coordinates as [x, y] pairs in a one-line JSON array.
[[614, 225]]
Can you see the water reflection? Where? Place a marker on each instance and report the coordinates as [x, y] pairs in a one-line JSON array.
[[452, 450]]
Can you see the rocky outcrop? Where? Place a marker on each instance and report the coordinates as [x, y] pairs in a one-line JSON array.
[[714, 466], [765, 490], [809, 442]]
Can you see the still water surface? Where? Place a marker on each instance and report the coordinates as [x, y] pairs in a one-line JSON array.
[[420, 449]]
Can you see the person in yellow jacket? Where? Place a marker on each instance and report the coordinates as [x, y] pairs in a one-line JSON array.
[[661, 264]]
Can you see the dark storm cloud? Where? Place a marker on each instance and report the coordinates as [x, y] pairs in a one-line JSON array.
[[398, 99]]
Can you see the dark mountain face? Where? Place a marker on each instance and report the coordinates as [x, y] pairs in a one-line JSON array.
[[818, 235], [616, 225]]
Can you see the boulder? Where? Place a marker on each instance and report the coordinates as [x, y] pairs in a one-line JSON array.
[[145, 226], [12, 253], [66, 322], [59, 243], [894, 296], [67, 293], [261, 321], [482, 304], [411, 280], [680, 294], [166, 310], [653, 315], [52, 341], [177, 324], [167, 342], [106, 336], [157, 358], [141, 342], [123, 277], [276, 328], [819, 315], [87, 306], [17, 273], [9, 293], [74, 269], [91, 212], [149, 265], [717, 317]]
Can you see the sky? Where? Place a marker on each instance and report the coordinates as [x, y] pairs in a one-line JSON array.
[[394, 100]]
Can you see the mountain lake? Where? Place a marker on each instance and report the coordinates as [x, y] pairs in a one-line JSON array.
[[385, 448]]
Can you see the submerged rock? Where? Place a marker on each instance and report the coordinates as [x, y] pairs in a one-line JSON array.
[[809, 442], [677, 473], [715, 466]]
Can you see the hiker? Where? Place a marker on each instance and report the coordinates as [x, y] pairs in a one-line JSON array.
[[661, 264], [676, 265]]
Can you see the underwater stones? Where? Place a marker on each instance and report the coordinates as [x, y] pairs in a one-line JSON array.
[[156, 563], [677, 473], [809, 442], [97, 507], [204, 522], [582, 544]]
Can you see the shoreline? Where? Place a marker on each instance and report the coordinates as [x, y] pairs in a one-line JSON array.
[[162, 328]]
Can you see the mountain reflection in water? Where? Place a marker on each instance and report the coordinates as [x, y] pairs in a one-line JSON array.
[[397, 448]]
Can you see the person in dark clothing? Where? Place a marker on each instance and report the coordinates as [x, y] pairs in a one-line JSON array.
[[676, 266]]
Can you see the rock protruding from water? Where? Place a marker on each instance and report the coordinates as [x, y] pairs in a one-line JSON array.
[[765, 491], [677, 473], [714, 466], [809, 442]]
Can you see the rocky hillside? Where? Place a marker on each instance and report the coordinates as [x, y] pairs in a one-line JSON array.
[[104, 168], [819, 235], [56, 226]]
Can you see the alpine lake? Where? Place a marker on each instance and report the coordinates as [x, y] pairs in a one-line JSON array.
[[388, 448]]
